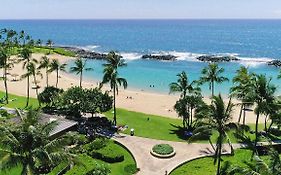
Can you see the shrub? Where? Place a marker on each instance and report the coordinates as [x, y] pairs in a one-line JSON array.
[[130, 169], [96, 144], [111, 153], [163, 149]]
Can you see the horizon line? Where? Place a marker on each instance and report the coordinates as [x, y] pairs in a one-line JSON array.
[[142, 19]]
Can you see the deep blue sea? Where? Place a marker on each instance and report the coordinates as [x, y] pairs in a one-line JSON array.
[[253, 41]]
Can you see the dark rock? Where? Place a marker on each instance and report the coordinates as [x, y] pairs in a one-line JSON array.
[[86, 53], [159, 57], [276, 63], [213, 58]]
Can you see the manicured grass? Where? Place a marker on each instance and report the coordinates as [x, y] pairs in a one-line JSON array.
[[16, 101], [115, 168], [149, 126], [205, 166], [47, 50], [157, 127]]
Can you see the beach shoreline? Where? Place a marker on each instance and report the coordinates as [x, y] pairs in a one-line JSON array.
[[131, 99]]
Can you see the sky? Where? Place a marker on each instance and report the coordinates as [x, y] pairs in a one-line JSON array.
[[139, 9]]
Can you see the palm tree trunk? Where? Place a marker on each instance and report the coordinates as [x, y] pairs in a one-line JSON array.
[[47, 77], [5, 84], [36, 90], [244, 115], [27, 99], [240, 113], [256, 129], [265, 123], [57, 78], [219, 158], [191, 117], [114, 107], [213, 88], [212, 145], [81, 74]]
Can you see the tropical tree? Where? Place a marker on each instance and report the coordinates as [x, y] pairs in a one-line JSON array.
[[243, 90], [26, 54], [28, 144], [79, 67], [33, 71], [183, 86], [111, 76], [263, 96], [212, 75], [260, 167], [49, 96], [49, 43], [45, 64], [39, 42], [6, 47], [216, 119], [57, 66]]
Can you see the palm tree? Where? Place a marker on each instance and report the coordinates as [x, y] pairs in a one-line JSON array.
[[28, 144], [5, 51], [45, 64], [114, 61], [243, 90], [39, 42], [26, 53], [212, 75], [33, 71], [49, 43], [218, 117], [263, 96], [79, 67], [57, 66], [260, 167], [182, 85]]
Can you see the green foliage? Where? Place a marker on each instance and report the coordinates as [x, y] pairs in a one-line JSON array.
[[163, 149], [49, 95], [19, 101], [97, 144], [130, 169], [110, 153]]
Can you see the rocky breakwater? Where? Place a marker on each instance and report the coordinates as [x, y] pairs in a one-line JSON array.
[[214, 58], [276, 63], [86, 53], [159, 57]]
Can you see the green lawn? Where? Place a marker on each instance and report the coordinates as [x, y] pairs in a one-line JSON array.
[[205, 166], [47, 50], [115, 168], [16, 101], [157, 127]]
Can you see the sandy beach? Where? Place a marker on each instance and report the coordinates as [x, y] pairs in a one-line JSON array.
[[140, 101]]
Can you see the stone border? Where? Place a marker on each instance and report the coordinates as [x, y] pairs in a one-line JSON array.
[[163, 156]]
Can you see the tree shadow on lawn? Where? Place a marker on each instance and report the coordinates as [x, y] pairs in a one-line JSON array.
[[179, 131]]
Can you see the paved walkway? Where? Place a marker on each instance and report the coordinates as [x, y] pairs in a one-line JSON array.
[[149, 165]]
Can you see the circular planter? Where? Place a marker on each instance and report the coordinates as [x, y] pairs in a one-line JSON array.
[[163, 155]]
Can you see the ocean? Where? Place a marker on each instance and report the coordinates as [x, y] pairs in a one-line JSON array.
[[253, 41]]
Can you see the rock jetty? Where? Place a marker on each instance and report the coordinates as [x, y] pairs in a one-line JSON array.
[[276, 63], [213, 58], [86, 53], [159, 57]]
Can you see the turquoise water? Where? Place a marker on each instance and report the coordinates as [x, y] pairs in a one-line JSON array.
[[253, 41]]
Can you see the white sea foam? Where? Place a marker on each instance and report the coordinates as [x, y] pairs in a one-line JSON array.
[[253, 62], [90, 47], [131, 56]]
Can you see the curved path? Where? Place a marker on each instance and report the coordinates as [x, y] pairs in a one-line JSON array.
[[140, 148]]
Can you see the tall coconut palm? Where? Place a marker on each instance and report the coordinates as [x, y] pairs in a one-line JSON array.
[[57, 66], [243, 90], [182, 85], [26, 55], [111, 76], [217, 117], [212, 75], [45, 64], [28, 144], [39, 42], [49, 43], [263, 96], [5, 51], [33, 71], [79, 67]]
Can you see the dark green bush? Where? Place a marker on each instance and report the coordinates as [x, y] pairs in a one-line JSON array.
[[96, 144], [163, 149], [130, 169], [111, 153]]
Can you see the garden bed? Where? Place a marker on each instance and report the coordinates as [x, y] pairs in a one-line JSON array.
[[163, 151]]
